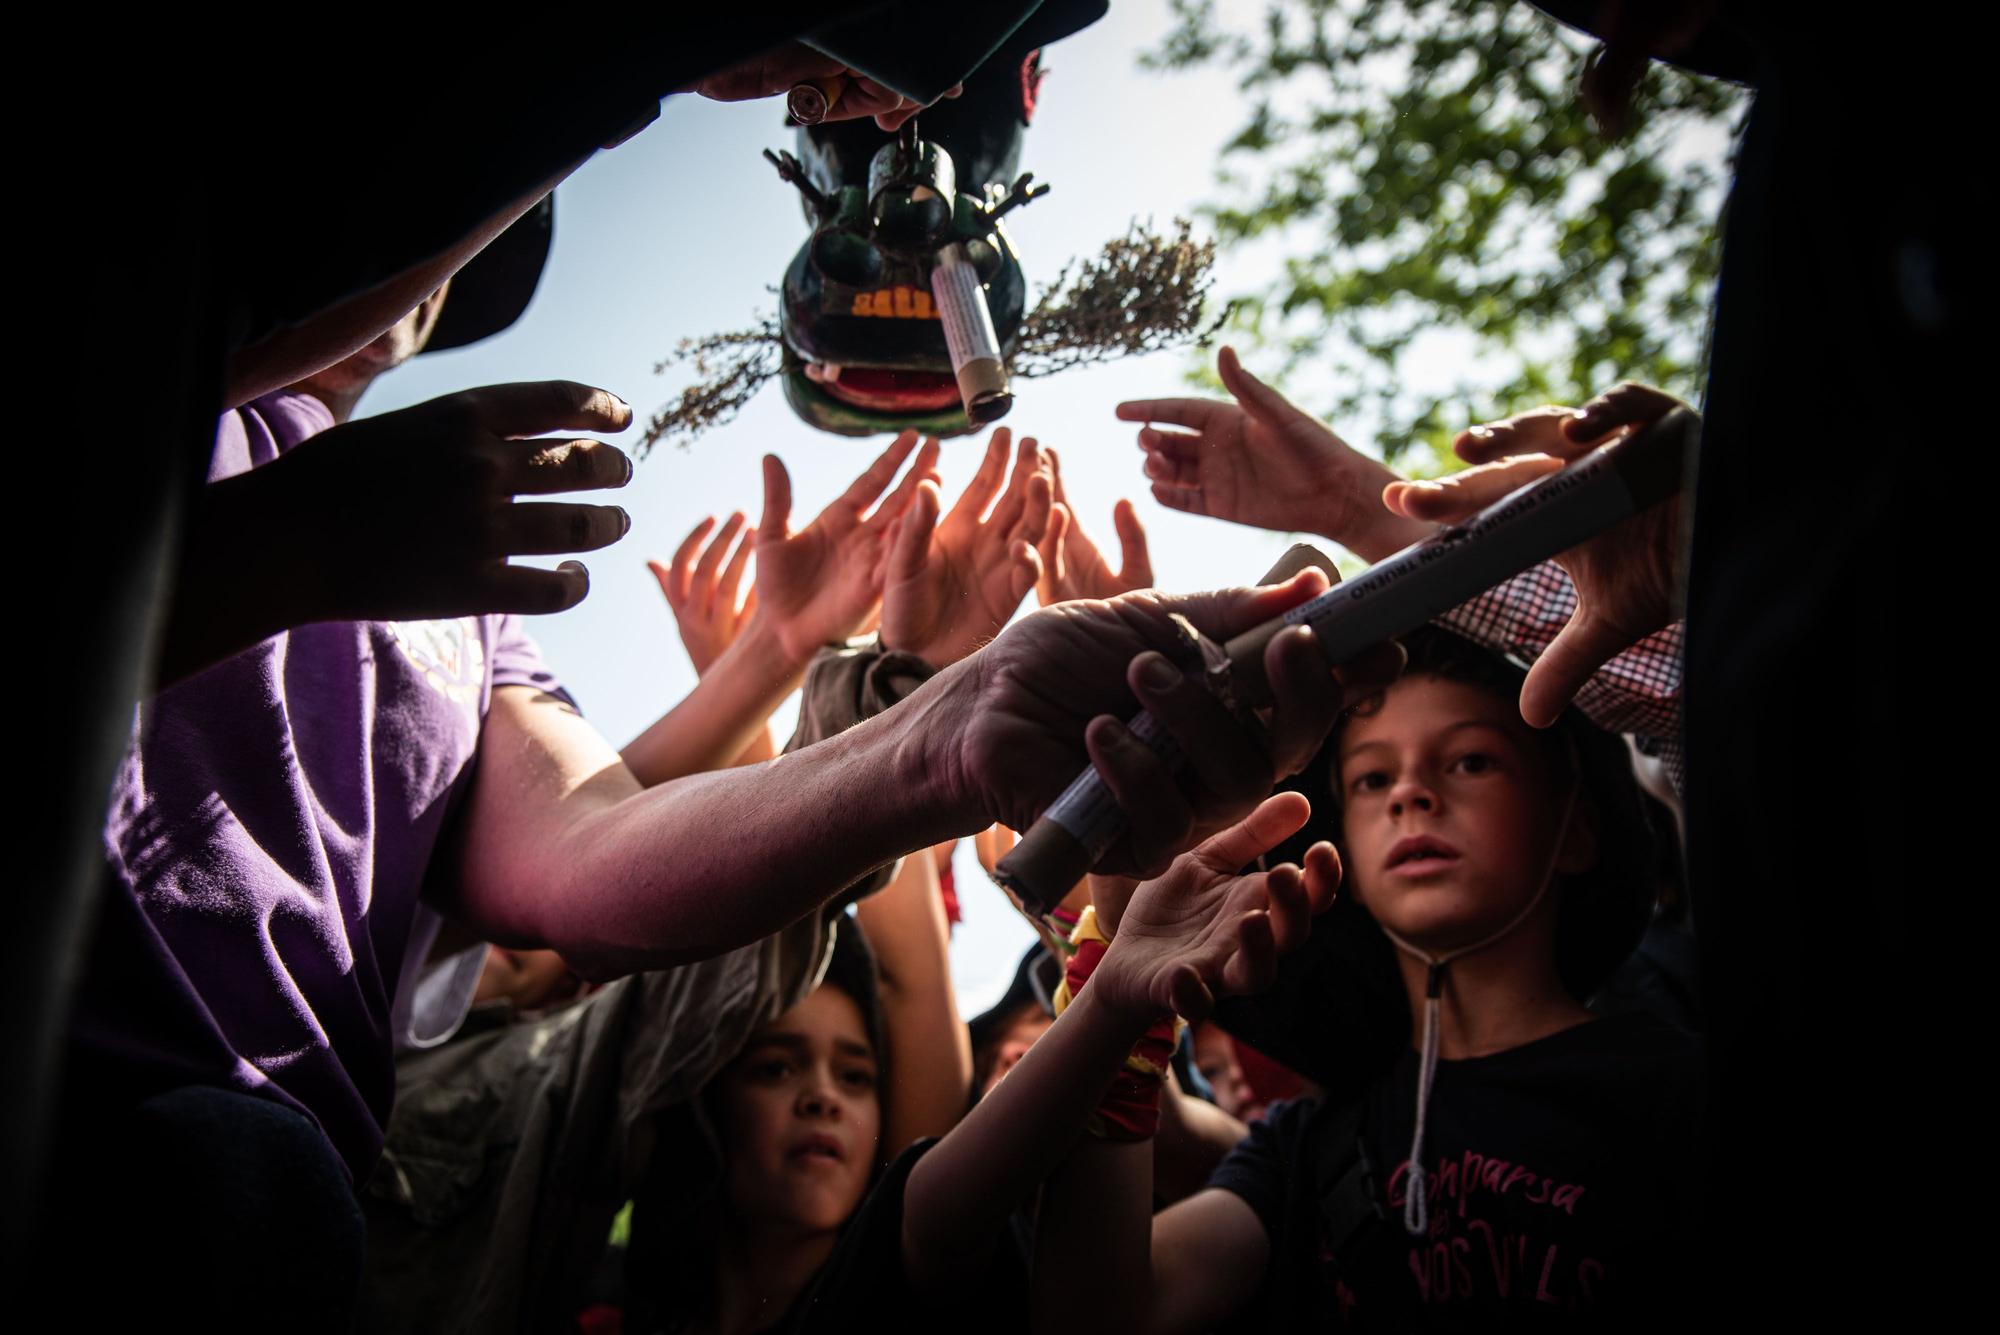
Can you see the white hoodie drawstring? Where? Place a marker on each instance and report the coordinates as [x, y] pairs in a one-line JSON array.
[[1416, 1206]]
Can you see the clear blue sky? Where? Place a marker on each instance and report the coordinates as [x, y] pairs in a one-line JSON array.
[[683, 230]]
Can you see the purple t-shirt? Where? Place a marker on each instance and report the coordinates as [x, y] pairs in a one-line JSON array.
[[272, 824]]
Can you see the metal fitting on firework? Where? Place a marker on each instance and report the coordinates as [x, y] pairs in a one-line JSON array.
[[968, 333]]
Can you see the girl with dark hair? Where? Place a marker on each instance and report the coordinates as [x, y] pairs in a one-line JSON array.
[[777, 1235], [791, 1130]]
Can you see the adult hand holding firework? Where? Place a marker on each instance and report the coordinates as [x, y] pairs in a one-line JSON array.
[[1627, 577]]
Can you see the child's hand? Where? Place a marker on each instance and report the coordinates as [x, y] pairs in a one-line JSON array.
[[1263, 462], [701, 584], [952, 585], [823, 584], [1072, 565], [1201, 931], [1625, 577]]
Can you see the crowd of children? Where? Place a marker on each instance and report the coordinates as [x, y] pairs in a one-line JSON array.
[[800, 1133], [412, 1003]]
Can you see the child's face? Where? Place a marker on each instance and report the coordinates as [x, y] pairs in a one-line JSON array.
[[1215, 1058], [1029, 1024], [1450, 813], [801, 1117]]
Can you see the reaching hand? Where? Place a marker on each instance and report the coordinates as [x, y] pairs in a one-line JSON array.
[[1006, 729], [1202, 931], [774, 72], [1072, 565], [823, 584], [951, 586], [1625, 577], [412, 514], [1260, 461], [702, 592]]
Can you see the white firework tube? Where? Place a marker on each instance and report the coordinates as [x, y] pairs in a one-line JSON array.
[[969, 336]]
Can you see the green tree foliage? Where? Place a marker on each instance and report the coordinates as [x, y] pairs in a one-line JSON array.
[[1424, 166]]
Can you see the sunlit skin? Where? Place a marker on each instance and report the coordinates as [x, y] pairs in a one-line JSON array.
[[1451, 815], [341, 385]]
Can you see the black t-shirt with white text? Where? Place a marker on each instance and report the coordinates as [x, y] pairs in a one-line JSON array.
[[1560, 1174]]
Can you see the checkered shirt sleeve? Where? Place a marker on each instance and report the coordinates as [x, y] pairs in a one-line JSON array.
[[1637, 693]]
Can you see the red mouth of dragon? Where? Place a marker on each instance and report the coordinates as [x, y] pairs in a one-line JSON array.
[[891, 390]]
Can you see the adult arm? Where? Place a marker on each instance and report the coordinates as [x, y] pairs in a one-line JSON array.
[[551, 784], [561, 846], [289, 355]]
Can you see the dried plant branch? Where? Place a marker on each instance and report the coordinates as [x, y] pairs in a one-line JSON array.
[[1144, 293], [729, 369]]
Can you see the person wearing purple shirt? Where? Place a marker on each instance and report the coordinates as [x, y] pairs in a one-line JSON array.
[[374, 746], [276, 815]]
